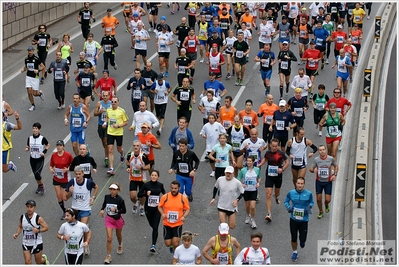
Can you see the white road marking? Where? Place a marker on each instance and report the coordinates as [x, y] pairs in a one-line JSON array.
[[14, 196]]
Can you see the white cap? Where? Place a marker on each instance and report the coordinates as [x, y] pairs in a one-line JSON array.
[[229, 169], [339, 26], [113, 186], [224, 228], [282, 103]]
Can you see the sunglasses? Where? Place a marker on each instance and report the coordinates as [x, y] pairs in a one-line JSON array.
[[42, 28], [114, 101]]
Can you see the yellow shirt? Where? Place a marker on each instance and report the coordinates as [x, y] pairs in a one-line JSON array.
[[358, 15], [116, 116], [7, 141]]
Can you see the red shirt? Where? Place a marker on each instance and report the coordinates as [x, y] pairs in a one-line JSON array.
[[106, 85], [355, 34], [213, 59], [192, 44], [59, 163], [341, 103], [341, 37], [312, 53]]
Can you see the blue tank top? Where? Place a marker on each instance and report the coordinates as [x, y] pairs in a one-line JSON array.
[[102, 117], [77, 118]]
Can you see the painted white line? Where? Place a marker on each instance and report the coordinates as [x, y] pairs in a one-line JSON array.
[[238, 95], [256, 65], [54, 47], [14, 196]]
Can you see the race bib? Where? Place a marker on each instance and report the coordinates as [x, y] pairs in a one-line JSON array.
[[298, 112], [173, 216], [239, 54], [298, 213], [272, 170], [284, 65], [137, 94], [319, 41], [108, 208], [42, 42], [323, 172], [320, 106], [181, 69], [280, 125], [77, 122], [184, 96], [86, 15], [297, 161], [86, 168], [58, 75], [153, 201], [86, 82], [107, 48], [58, 173], [183, 167], [333, 130], [312, 63], [223, 258], [247, 120], [265, 64]]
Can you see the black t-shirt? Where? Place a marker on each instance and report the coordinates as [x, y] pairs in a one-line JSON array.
[[116, 202], [32, 63], [211, 41], [81, 64], [152, 74], [85, 15], [182, 31], [43, 39], [184, 95], [183, 61], [240, 46], [86, 81], [158, 28], [109, 43], [156, 189], [86, 161]]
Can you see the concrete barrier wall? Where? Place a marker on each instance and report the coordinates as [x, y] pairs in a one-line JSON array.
[[20, 19], [361, 221]]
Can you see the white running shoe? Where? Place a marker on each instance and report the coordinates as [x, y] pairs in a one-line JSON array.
[[247, 219], [32, 108], [212, 174]]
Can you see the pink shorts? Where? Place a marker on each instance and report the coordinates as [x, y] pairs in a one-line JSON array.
[[114, 224]]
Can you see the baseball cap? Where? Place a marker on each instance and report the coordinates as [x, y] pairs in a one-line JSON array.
[[82, 54], [282, 103], [160, 76], [30, 202], [229, 169], [109, 10], [113, 186], [304, 8], [135, 15], [339, 26], [164, 26], [145, 125], [312, 42], [30, 48], [212, 73], [285, 43], [163, 18], [224, 228], [107, 71], [60, 142], [86, 65], [183, 50]]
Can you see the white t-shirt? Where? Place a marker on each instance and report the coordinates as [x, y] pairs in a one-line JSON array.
[[141, 117], [141, 44], [186, 256], [163, 40], [229, 191], [212, 132]]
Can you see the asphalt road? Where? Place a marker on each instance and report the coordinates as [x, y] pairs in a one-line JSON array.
[[137, 233]]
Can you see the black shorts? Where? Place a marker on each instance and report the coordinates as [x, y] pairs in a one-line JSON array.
[[266, 134], [360, 25], [321, 48], [210, 161], [326, 186], [282, 140], [32, 250], [297, 168], [275, 181], [73, 259], [171, 232], [304, 41], [154, 12], [102, 132], [83, 94], [219, 171], [192, 56], [311, 72], [241, 61], [334, 17], [160, 110], [111, 139], [63, 185], [141, 52], [126, 14], [301, 227], [184, 113], [164, 54], [134, 184], [227, 212], [285, 72], [250, 195], [152, 163], [342, 14], [237, 154], [292, 24]]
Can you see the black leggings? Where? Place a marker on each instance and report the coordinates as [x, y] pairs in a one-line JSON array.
[[368, 7], [37, 167], [328, 49], [301, 227], [111, 58], [191, 21], [85, 31], [59, 91], [318, 115], [153, 217]]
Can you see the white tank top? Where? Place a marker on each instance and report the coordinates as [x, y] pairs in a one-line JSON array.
[[298, 150], [80, 196], [29, 238], [36, 147]]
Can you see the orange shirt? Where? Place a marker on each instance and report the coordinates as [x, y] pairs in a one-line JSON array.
[[127, 7], [173, 208], [355, 34], [267, 111], [247, 20], [303, 31], [226, 118], [221, 6], [341, 37], [110, 22], [148, 150], [248, 119]]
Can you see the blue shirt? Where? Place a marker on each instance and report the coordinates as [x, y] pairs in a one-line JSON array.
[[282, 120], [216, 85], [320, 36], [300, 201], [218, 29]]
